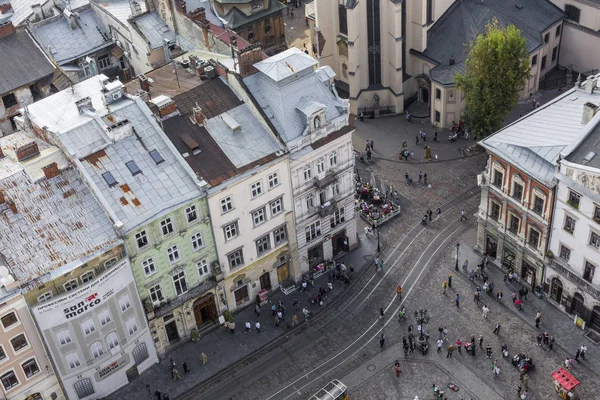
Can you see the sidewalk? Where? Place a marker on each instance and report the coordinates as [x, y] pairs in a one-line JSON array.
[[224, 348]]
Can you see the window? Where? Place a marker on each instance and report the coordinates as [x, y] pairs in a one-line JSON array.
[[96, 349], [250, 36], [267, 28], [322, 197], [343, 19], [279, 235], [307, 172], [258, 216], [276, 207], [273, 180], [88, 276], [72, 284], [84, 387], [517, 191], [595, 240], [438, 94], [73, 360], [166, 225], [256, 189], [565, 253], [173, 254], [588, 272], [514, 224], [112, 340], [554, 53], [337, 217], [2, 353], [104, 316], [124, 303], [18, 342], [547, 37], [110, 263], [156, 157], [230, 231], [9, 100], [429, 11], [203, 269], [534, 237], [263, 244], [44, 297], [374, 41], [534, 60], [335, 187], [133, 168], [438, 116], [538, 205], [572, 13], [155, 294], [574, 199], [313, 231], [197, 242], [320, 165], [88, 326], [103, 61], [149, 266], [543, 66], [235, 259], [9, 380], [450, 96], [132, 326], [30, 368], [333, 159], [226, 205], [310, 201], [141, 239], [498, 178], [63, 337], [557, 32], [9, 319], [180, 283], [596, 215], [109, 179], [190, 214], [495, 211], [569, 224]]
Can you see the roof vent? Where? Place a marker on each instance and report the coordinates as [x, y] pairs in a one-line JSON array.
[[589, 110], [589, 156], [210, 72], [84, 105], [590, 84], [113, 91], [231, 122]]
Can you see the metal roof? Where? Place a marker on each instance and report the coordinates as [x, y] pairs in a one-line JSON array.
[[120, 9], [23, 11], [236, 18], [154, 29], [285, 64]]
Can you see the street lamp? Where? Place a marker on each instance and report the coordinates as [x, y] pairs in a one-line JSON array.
[[457, 247], [148, 389], [378, 243]]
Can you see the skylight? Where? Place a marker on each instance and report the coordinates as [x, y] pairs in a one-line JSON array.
[[133, 168], [110, 179], [156, 157]]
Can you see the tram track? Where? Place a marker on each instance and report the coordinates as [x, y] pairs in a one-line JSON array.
[[346, 314]]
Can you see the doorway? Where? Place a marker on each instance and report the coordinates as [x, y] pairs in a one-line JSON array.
[[132, 373], [424, 94], [595, 320], [577, 306], [241, 295], [265, 281], [556, 290], [509, 259], [315, 255], [491, 246], [528, 273], [340, 243], [283, 273], [205, 309], [172, 333]]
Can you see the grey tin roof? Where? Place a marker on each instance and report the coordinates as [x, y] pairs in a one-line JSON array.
[[68, 44], [465, 19], [154, 29], [22, 61], [236, 18], [591, 144], [23, 10]]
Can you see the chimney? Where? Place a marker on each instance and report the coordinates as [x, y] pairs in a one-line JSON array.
[[205, 26], [7, 28], [589, 110], [27, 151], [165, 106], [247, 58], [1, 153], [38, 13], [136, 9], [51, 170], [2, 200], [590, 84], [5, 8], [199, 116], [13, 207], [198, 14], [84, 105], [71, 18], [144, 83], [451, 60]]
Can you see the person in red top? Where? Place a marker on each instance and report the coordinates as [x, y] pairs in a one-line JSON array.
[[458, 344], [399, 291]]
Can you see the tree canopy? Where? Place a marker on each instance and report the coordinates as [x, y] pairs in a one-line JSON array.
[[497, 68]]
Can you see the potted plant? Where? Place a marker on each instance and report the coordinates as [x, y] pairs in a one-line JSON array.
[[194, 335], [228, 316], [550, 254]]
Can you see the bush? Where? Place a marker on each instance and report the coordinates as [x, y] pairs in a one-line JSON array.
[[195, 335], [228, 316]]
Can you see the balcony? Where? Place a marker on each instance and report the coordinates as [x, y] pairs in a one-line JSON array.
[[565, 270], [325, 179], [327, 208]]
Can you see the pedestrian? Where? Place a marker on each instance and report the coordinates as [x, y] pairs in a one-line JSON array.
[[465, 266], [583, 349], [296, 304], [376, 264], [488, 351], [440, 343], [444, 286], [438, 214], [476, 297], [514, 297], [273, 309], [462, 215], [406, 347], [397, 368], [538, 318], [158, 394], [305, 312], [292, 13], [540, 337], [166, 397], [459, 345], [362, 116], [481, 342], [445, 333], [429, 212], [568, 363], [205, 357], [450, 350], [435, 136], [372, 144], [577, 354], [367, 232], [381, 313], [176, 375], [497, 328], [472, 276], [185, 367], [231, 326], [485, 310], [257, 326], [478, 271], [368, 145], [457, 300], [499, 295], [450, 281], [294, 320], [551, 342], [416, 139], [546, 338], [425, 179], [420, 176], [382, 340]]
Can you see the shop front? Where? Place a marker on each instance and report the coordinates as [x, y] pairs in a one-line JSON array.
[[508, 260], [205, 310], [491, 246], [315, 255], [528, 273], [339, 242], [556, 290]]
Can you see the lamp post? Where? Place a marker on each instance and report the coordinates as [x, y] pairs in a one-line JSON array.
[[378, 243], [148, 389], [456, 265]]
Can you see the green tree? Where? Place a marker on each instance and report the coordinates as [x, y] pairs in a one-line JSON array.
[[497, 68]]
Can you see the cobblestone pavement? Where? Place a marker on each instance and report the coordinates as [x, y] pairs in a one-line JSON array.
[[296, 30]]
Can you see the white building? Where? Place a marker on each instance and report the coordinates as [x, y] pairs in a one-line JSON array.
[[302, 104]]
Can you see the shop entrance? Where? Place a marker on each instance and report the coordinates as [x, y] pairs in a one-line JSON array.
[[509, 259], [491, 246], [283, 273], [241, 295], [577, 306], [132, 373], [315, 255], [595, 321], [556, 290], [265, 281], [528, 273], [205, 309], [172, 333], [340, 243]]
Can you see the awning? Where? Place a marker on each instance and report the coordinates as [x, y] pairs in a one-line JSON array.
[[117, 52], [565, 379]]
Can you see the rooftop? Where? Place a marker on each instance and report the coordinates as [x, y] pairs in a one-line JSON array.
[[135, 169], [588, 151], [535, 142], [22, 61], [23, 9], [120, 9], [58, 220], [465, 19], [155, 30], [236, 18], [67, 44]]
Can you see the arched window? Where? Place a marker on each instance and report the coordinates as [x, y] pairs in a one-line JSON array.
[[96, 349], [112, 339]]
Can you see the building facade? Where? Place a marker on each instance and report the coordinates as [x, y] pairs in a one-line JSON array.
[[97, 334]]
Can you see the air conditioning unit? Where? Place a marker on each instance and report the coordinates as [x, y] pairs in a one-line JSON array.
[[210, 72]]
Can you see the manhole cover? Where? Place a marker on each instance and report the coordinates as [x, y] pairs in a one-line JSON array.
[[264, 380], [594, 336], [371, 367]]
